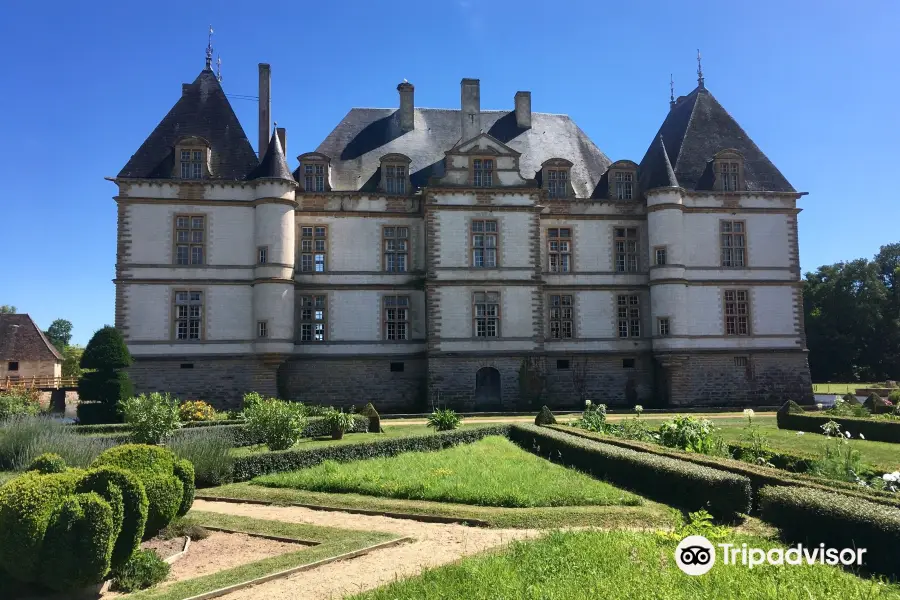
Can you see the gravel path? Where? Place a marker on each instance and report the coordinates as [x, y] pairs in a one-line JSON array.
[[435, 544]]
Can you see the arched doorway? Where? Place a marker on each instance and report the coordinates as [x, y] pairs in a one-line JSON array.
[[487, 388]]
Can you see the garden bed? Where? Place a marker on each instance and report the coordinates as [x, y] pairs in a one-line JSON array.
[[872, 429]]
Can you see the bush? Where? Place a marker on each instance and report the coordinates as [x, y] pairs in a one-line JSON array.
[[167, 486], [880, 430], [876, 405], [319, 427], [152, 418], [838, 521], [894, 398], [106, 350], [545, 417], [248, 467], [22, 439], [444, 420], [851, 399], [96, 413], [144, 569], [339, 422], [107, 388], [593, 418], [209, 450], [689, 433], [19, 401], [196, 410], [374, 418], [660, 478], [48, 463], [276, 423]]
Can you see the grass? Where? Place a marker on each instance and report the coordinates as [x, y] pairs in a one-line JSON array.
[[333, 542], [619, 565], [490, 472], [841, 388]]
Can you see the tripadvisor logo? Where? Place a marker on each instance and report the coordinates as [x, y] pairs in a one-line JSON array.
[[696, 555]]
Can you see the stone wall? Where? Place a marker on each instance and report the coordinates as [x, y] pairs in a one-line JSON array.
[[451, 382], [600, 378]]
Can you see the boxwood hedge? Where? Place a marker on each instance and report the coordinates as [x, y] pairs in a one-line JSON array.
[[815, 517], [248, 467], [874, 430], [661, 478]]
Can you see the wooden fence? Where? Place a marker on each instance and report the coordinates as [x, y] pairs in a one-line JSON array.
[[41, 383]]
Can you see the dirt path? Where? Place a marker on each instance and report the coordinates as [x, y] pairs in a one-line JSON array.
[[435, 544]]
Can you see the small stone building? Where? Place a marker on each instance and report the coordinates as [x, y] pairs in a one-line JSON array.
[[25, 352]]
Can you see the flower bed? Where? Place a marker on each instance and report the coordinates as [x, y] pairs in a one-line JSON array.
[[792, 417]]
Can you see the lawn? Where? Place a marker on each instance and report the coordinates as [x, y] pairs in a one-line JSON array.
[[841, 388], [490, 472], [619, 565]]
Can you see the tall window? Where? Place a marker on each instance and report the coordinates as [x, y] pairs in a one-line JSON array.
[[396, 317], [188, 315], [729, 173], [314, 177], [487, 314], [624, 185], [559, 249], [484, 243], [192, 164], [396, 249], [190, 239], [395, 180], [626, 249], [262, 329], [557, 183], [629, 315], [483, 172], [262, 255], [661, 257], [734, 243], [313, 248], [560, 316], [313, 318], [737, 312], [662, 324]]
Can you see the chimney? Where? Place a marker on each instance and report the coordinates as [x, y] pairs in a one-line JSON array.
[[282, 137], [407, 106], [470, 108], [265, 106], [523, 109], [184, 88]]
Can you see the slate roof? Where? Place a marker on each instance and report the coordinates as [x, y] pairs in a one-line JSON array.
[[202, 111], [364, 135], [274, 165], [21, 339], [693, 132]]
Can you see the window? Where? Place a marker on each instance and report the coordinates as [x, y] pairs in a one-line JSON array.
[[741, 361], [312, 318], [624, 185], [313, 177], [188, 315], [737, 312], [560, 317], [627, 363], [660, 255], [484, 243], [262, 255], [562, 365], [662, 326], [557, 182], [262, 329], [395, 179], [482, 172], [396, 249], [559, 249], [487, 314], [187, 365], [626, 249], [397, 367], [729, 175], [190, 239], [192, 163], [396, 317], [629, 315], [13, 365], [734, 243], [313, 248]]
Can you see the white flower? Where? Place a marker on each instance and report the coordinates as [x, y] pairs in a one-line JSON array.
[[820, 406], [748, 412], [587, 402], [892, 477], [638, 408], [801, 432], [847, 433], [862, 437]]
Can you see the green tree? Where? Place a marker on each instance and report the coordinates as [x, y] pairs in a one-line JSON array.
[[107, 384], [59, 333], [7, 309], [71, 367]]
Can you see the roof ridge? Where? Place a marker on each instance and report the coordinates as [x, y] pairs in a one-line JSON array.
[[493, 110], [687, 127], [47, 342]]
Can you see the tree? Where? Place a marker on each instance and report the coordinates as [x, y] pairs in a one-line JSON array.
[[107, 354], [59, 333], [7, 309], [71, 367]]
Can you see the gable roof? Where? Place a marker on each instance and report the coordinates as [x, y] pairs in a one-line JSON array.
[[21, 339], [695, 130], [202, 111], [273, 165], [364, 135]]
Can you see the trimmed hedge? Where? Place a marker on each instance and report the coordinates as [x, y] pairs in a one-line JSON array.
[[93, 413], [838, 521], [248, 467], [48, 463], [124, 427], [874, 430], [684, 484], [545, 417]]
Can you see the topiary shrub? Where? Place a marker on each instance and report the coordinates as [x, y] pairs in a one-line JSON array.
[[107, 354], [48, 463], [374, 418], [851, 399], [168, 490], [876, 405], [790, 407], [106, 350], [894, 398], [545, 417], [144, 569], [96, 413]]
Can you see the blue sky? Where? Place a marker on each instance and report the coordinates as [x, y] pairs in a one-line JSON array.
[[816, 85]]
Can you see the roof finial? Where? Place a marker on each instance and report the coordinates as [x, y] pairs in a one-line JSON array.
[[219, 67], [209, 49], [671, 92], [699, 71]]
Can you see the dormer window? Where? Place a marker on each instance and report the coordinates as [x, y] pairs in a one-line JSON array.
[[395, 174], [622, 176], [191, 158], [555, 177], [624, 185], [192, 163], [482, 172], [313, 172], [729, 170]]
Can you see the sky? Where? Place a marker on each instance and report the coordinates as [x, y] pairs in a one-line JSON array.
[[815, 85]]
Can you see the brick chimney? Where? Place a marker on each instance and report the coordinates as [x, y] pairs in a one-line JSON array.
[[407, 106], [470, 108], [265, 106], [523, 109]]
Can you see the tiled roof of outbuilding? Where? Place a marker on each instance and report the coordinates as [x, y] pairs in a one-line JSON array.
[[21, 339]]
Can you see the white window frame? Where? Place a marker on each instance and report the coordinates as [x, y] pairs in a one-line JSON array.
[[486, 314], [628, 315], [313, 320], [559, 250], [485, 242], [395, 248], [396, 318], [187, 315]]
